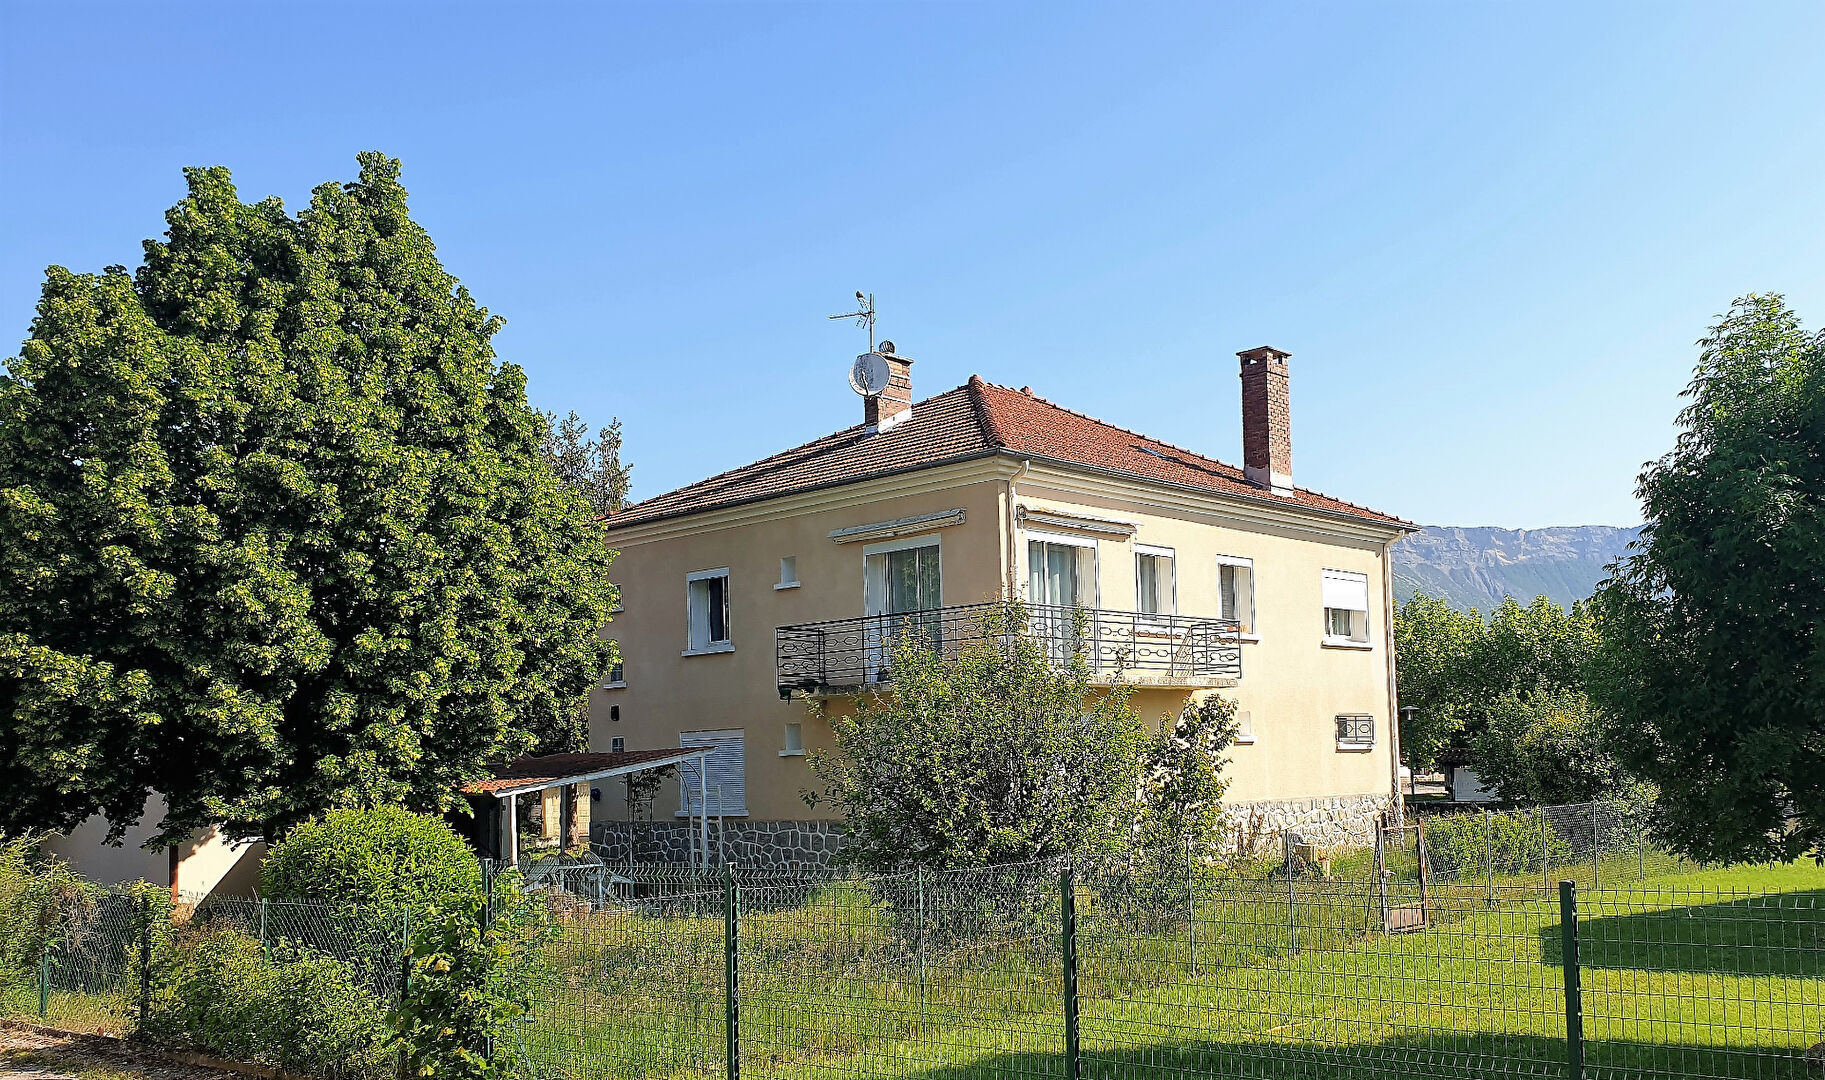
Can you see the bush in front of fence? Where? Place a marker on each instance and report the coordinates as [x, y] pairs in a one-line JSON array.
[[41, 899], [1463, 845], [469, 973], [285, 1005], [378, 859]]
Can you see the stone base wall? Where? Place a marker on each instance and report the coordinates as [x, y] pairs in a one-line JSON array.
[[1251, 828], [772, 845], [1332, 821]]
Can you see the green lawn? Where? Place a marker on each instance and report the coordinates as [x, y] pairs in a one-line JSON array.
[[1713, 974]]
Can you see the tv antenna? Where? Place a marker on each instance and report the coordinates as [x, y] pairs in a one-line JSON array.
[[863, 317]]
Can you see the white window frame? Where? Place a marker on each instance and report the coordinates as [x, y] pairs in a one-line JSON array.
[[1353, 640], [1249, 630], [617, 744], [931, 540], [1245, 727], [612, 682], [1170, 604], [687, 780], [722, 645], [1353, 743], [794, 733], [1096, 562], [788, 565]]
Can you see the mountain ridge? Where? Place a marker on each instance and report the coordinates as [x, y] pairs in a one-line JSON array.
[[1475, 566]]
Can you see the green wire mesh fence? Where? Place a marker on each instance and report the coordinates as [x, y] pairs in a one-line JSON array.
[[1557, 943]]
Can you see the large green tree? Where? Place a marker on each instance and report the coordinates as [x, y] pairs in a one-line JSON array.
[[276, 532], [1455, 666], [1713, 657]]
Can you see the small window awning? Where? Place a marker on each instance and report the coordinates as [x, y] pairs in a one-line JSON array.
[[555, 770]]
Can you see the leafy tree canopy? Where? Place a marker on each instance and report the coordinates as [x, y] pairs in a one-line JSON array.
[[1548, 748], [591, 467], [1713, 657], [1455, 666], [276, 532]]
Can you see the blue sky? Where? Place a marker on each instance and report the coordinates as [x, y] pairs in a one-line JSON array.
[[1489, 234]]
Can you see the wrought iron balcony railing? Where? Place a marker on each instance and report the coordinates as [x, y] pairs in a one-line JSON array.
[[1161, 649]]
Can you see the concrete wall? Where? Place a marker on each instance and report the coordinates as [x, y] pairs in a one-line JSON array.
[[208, 864]]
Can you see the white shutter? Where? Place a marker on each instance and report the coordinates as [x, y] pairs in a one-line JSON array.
[[1346, 590], [725, 773]]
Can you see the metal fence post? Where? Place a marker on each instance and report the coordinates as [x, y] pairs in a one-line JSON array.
[[1191, 908], [920, 874], [1067, 900], [1574, 995], [145, 960], [1545, 864], [1596, 848], [1488, 860], [44, 981], [264, 951], [731, 931], [1292, 915]]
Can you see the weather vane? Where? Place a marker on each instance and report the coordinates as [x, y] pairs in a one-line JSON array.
[[864, 317]]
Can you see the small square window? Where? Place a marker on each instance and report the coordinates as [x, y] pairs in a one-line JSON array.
[[788, 572], [1355, 731], [1245, 727], [617, 674], [795, 740], [617, 745]]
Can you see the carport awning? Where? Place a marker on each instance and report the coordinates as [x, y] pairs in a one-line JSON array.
[[555, 770]]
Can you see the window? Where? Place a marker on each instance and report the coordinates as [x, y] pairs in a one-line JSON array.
[[1061, 571], [1355, 731], [708, 594], [1236, 591], [617, 745], [1155, 590], [1245, 727], [617, 674], [788, 572], [795, 740], [1346, 607], [725, 773]]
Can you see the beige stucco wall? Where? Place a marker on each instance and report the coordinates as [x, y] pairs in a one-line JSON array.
[[208, 864], [1293, 686], [668, 693]]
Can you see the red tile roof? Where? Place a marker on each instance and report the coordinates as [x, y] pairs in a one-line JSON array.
[[560, 768], [976, 419]]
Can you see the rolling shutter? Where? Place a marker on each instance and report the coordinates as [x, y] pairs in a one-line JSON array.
[[1346, 590], [726, 772]]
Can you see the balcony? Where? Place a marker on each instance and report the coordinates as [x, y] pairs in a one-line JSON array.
[[846, 655]]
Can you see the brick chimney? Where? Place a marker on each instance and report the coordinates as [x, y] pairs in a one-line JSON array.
[[1267, 419], [893, 405]]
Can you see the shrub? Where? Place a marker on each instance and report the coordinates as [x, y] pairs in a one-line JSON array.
[[295, 1009], [1457, 845], [378, 860], [41, 898], [469, 974]]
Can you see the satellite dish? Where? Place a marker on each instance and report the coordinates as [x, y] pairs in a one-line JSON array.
[[869, 375]]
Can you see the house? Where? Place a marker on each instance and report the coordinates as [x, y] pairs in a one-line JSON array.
[[751, 591]]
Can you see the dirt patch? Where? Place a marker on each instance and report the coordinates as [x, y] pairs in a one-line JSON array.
[[46, 1055]]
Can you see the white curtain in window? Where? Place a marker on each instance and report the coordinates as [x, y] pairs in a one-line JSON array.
[[1346, 590]]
